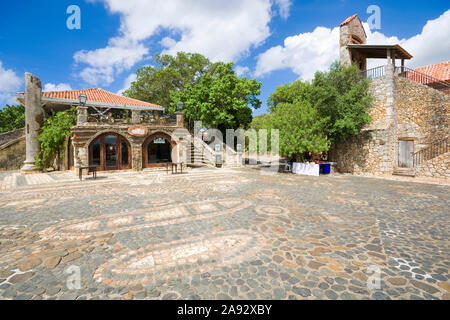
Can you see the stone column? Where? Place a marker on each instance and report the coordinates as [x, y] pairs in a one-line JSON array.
[[82, 115], [34, 116], [180, 118], [391, 117], [135, 116], [136, 154]]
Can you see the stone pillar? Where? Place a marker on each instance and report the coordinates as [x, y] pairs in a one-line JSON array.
[[34, 116], [180, 118], [82, 115], [391, 117], [136, 154], [135, 116]]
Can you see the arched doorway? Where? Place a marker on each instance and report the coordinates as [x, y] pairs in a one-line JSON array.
[[157, 150], [110, 151]]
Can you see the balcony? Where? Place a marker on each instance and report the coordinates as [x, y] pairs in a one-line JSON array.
[[91, 115]]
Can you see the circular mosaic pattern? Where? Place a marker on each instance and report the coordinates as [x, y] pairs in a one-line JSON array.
[[169, 260], [271, 210]]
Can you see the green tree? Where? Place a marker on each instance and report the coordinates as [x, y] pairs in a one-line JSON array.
[[55, 131], [171, 73], [12, 118], [219, 99], [343, 97], [263, 122], [340, 95], [301, 129], [288, 93]]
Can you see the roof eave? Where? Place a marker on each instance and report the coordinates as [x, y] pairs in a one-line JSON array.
[[20, 97]]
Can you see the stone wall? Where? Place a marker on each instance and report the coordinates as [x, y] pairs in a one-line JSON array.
[[436, 167], [403, 109], [10, 136], [423, 113], [12, 155], [371, 151]]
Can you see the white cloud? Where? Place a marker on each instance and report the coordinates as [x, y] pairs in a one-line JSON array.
[[304, 53], [284, 7], [127, 83], [57, 87], [9, 85], [220, 30], [308, 52], [241, 70], [105, 63]]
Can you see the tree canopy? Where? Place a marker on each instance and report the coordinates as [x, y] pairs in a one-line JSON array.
[[12, 118], [170, 73], [330, 108], [301, 129], [219, 99]]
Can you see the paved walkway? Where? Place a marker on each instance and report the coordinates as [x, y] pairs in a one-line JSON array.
[[220, 234]]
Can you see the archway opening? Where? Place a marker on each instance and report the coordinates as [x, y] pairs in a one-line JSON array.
[[157, 150], [110, 151]]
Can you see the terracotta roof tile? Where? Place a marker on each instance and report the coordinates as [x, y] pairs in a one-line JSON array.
[[349, 19], [439, 71], [98, 95]]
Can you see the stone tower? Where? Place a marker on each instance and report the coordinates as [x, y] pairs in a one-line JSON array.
[[352, 32], [34, 117]]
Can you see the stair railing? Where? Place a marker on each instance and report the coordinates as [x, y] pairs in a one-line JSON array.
[[208, 153], [432, 151], [422, 78], [373, 73]]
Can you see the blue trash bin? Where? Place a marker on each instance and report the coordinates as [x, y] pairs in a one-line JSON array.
[[325, 168]]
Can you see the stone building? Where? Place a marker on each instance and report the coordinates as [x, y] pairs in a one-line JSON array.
[[409, 134], [112, 132]]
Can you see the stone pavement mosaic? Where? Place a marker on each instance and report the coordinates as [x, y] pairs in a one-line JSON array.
[[222, 234]]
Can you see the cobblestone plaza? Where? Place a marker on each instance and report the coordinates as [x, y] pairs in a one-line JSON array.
[[222, 234]]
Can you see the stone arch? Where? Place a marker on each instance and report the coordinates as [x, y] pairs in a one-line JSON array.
[[155, 135], [118, 156], [110, 130]]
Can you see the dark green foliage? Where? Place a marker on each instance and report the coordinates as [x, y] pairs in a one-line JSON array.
[[12, 118], [55, 131]]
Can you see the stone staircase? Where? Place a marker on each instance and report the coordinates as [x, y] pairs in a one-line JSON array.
[[407, 172], [201, 154]]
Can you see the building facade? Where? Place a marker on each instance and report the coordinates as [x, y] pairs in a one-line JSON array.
[[112, 132], [409, 134]]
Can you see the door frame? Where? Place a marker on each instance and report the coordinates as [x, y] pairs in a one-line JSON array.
[[147, 141], [119, 140], [411, 156]]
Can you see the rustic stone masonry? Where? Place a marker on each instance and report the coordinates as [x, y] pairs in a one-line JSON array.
[[437, 167], [12, 150], [84, 134], [403, 109]]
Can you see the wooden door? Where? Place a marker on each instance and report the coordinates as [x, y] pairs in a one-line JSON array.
[[405, 153]]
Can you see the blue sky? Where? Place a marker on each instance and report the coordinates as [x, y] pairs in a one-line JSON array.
[[275, 41]]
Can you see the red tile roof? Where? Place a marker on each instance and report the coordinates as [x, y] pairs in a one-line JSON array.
[[98, 95], [349, 19], [440, 71]]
